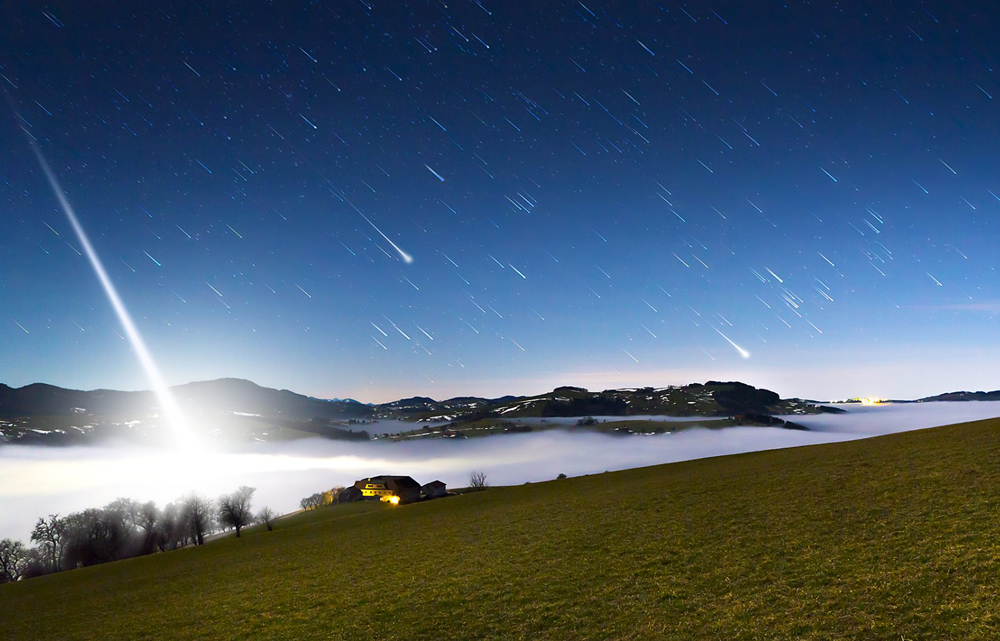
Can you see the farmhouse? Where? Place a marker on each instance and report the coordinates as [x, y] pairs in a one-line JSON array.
[[394, 489], [384, 487], [434, 489]]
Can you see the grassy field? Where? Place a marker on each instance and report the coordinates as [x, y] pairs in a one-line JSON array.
[[891, 537]]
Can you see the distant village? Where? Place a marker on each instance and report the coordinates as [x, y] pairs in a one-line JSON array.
[[384, 487]]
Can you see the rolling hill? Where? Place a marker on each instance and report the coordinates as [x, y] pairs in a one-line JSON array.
[[888, 537], [964, 396], [221, 395], [235, 410]]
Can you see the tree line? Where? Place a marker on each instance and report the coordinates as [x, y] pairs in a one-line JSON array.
[[319, 499], [126, 528]]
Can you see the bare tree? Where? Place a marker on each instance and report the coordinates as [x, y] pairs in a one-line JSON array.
[[171, 531], [87, 538], [310, 502], [49, 535], [477, 481], [234, 509], [13, 557], [146, 517], [266, 516], [123, 509], [36, 563], [198, 514], [118, 521]]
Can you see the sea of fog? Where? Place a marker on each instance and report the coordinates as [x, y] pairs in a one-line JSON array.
[[36, 481]]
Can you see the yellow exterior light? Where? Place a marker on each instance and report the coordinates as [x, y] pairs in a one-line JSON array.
[[391, 499], [869, 400]]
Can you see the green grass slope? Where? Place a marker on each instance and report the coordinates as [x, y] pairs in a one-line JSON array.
[[890, 537]]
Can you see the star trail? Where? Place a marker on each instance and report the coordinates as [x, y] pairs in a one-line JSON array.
[[798, 195]]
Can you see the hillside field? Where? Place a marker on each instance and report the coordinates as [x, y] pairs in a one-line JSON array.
[[889, 537]]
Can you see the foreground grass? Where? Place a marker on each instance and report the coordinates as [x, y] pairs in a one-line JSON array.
[[890, 537]]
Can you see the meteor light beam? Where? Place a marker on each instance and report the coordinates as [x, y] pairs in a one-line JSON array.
[[402, 254], [172, 411], [743, 352]]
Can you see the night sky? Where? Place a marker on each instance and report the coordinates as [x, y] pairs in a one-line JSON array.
[[601, 194]]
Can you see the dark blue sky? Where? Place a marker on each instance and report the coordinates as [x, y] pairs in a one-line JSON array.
[[602, 194]]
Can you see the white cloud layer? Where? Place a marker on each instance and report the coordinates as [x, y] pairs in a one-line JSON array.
[[36, 481]]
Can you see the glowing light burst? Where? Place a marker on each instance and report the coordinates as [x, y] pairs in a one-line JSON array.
[[182, 433]]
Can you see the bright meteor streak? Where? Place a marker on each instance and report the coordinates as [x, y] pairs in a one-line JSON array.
[[743, 352], [436, 174], [174, 415], [402, 254]]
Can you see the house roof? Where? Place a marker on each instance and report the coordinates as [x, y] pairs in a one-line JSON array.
[[435, 482], [392, 482]]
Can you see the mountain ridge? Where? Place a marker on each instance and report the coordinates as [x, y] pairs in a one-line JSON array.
[[236, 409], [963, 396]]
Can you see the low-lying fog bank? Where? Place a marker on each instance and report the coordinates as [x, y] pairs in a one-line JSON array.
[[37, 481], [872, 420]]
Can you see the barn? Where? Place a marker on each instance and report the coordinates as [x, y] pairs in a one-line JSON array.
[[434, 489]]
